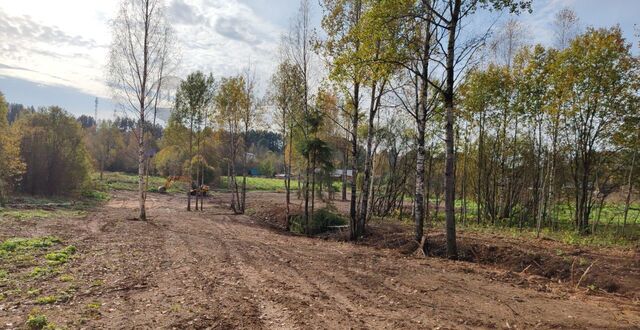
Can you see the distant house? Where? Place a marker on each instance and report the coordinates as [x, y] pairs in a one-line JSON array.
[[338, 173]]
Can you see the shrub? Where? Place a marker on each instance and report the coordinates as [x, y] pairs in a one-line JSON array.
[[11, 164], [321, 221], [54, 151], [38, 321]]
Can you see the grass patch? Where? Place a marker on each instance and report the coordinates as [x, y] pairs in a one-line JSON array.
[[40, 271], [262, 184], [96, 195], [66, 278], [46, 300], [129, 182], [61, 256], [25, 244], [29, 214], [321, 222]]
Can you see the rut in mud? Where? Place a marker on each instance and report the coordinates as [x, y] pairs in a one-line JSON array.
[[213, 269]]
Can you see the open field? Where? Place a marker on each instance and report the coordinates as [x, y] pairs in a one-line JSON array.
[[213, 269]]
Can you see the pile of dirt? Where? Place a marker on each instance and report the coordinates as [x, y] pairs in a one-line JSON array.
[[275, 216]]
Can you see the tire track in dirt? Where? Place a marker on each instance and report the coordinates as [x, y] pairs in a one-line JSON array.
[[213, 269]]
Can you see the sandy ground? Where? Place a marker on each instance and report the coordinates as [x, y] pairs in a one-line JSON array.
[[213, 269]]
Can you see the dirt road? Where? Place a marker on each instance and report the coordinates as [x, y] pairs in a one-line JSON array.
[[213, 269]]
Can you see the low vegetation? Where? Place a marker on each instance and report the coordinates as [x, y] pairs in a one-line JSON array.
[[324, 219]]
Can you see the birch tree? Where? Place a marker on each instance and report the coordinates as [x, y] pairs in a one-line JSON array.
[[140, 54]]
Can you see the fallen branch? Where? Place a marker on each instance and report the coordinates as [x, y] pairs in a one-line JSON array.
[[585, 273]]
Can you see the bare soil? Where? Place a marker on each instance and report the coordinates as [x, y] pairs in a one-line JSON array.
[[214, 269]]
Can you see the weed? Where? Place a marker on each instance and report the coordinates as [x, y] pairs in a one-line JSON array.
[[33, 292], [97, 283], [37, 321], [46, 300], [15, 244], [3, 274], [583, 261], [40, 271], [61, 256], [66, 278], [94, 305]]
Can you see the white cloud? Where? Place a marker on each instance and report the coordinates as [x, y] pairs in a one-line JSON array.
[[66, 42]]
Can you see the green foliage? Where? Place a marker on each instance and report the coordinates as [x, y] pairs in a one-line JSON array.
[[96, 195], [40, 271], [61, 256], [321, 222], [169, 161], [25, 244], [53, 148], [46, 300], [106, 144], [11, 164], [66, 278], [28, 214], [37, 321]]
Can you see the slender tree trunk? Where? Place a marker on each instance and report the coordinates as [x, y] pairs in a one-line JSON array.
[[627, 202], [449, 174], [353, 219], [464, 177], [190, 165], [243, 204], [345, 161], [142, 97], [366, 182]]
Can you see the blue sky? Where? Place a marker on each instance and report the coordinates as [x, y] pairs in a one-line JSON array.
[[54, 52]]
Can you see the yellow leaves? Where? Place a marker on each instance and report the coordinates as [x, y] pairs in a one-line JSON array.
[[11, 164]]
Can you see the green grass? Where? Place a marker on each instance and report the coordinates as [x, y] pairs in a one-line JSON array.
[[269, 184], [262, 184], [25, 244], [129, 182], [28, 214], [61, 256]]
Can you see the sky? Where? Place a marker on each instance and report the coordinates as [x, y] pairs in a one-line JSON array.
[[55, 52]]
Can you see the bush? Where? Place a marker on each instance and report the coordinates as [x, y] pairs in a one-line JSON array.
[[37, 321], [320, 223], [211, 174], [11, 164], [54, 151], [169, 161]]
